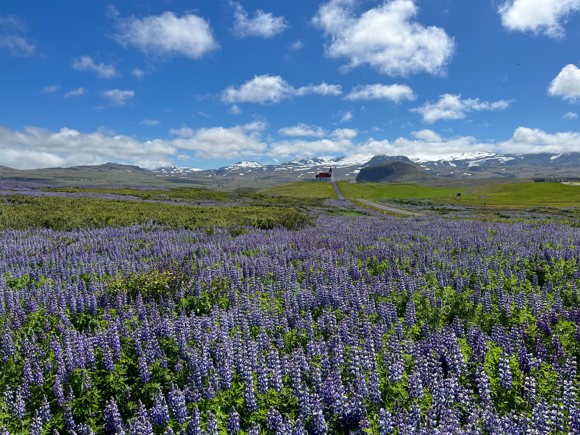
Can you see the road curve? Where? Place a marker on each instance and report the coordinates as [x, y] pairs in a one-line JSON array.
[[390, 209]]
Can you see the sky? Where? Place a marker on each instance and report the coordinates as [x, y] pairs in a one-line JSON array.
[[204, 84]]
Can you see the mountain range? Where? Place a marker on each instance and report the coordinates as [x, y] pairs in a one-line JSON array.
[[350, 168]]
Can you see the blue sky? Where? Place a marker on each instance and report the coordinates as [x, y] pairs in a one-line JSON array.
[[205, 84]]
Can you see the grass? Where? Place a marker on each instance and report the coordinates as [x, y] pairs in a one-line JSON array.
[[22, 212], [507, 195], [176, 194], [302, 189]]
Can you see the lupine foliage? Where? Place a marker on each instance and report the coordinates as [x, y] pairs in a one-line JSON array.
[[354, 325]]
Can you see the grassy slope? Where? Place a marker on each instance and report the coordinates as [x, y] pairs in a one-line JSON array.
[[510, 195], [303, 189]]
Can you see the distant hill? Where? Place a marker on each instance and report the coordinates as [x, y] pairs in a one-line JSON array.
[[255, 175], [390, 171]]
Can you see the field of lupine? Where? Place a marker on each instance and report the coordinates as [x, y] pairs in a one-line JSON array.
[[355, 325]]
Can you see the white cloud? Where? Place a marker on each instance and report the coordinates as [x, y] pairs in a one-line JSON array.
[[566, 84], [76, 93], [533, 140], [537, 16], [118, 97], [571, 115], [297, 45], [263, 25], [167, 35], [265, 89], [424, 147], [150, 122], [138, 73], [385, 37], [13, 37], [302, 130], [86, 63], [346, 117], [426, 135], [339, 141], [451, 107], [36, 148], [262, 89], [344, 134], [378, 91], [321, 89], [429, 145], [219, 142], [235, 110]]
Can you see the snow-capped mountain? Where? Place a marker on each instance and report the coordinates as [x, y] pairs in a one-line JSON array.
[[474, 165]]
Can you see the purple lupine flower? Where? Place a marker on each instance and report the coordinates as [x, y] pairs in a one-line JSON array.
[[574, 421], [254, 429], [113, 421], [249, 396], [505, 373], [274, 420], [140, 425], [194, 426], [318, 424], [385, 422], [540, 417], [211, 425], [68, 417], [176, 400], [108, 358], [44, 411], [233, 422], [530, 389], [556, 421], [36, 425], [144, 373], [159, 414]]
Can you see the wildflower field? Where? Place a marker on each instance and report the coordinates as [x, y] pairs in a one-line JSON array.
[[359, 325]]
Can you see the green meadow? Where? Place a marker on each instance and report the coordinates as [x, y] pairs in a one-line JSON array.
[[496, 195]]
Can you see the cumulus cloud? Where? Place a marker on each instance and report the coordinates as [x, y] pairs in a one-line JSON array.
[[302, 130], [386, 37], [537, 16], [262, 89], [321, 89], [426, 135], [395, 93], [13, 37], [39, 148], [167, 35], [86, 63], [219, 142], [262, 25], [79, 92], [346, 117], [425, 146], [566, 84], [118, 97], [36, 148], [570, 115], [266, 89], [452, 107], [534, 140], [339, 141]]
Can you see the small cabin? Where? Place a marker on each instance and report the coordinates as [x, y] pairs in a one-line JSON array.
[[324, 176]]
